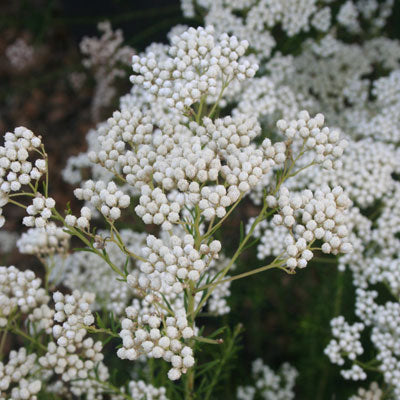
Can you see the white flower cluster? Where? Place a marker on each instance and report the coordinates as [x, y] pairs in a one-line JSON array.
[[372, 393], [174, 262], [72, 356], [370, 161], [379, 163], [237, 131], [322, 19], [42, 317], [355, 373], [92, 386], [215, 200], [73, 311], [127, 128], [322, 216], [19, 375], [75, 272], [20, 54], [72, 173], [325, 142], [142, 390], [384, 320], [19, 290], [272, 238], [195, 64], [151, 336], [348, 16], [39, 212], [44, 242], [189, 170], [347, 343], [107, 57], [269, 384], [256, 20], [106, 198], [369, 268], [154, 208], [105, 50], [15, 169], [187, 167], [74, 362]]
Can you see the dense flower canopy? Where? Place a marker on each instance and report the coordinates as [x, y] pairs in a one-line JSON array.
[[214, 118]]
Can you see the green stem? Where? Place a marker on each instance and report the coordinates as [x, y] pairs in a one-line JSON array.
[[299, 170], [221, 221], [189, 383], [2, 343], [198, 237], [16, 203], [224, 86], [101, 330], [199, 112], [76, 232], [121, 244], [366, 366], [19, 332], [275, 264], [46, 187], [260, 217], [113, 388]]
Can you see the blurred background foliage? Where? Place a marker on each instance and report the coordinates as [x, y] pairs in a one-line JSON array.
[[282, 317]]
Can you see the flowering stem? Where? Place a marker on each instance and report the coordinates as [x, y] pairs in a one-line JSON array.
[[34, 188], [112, 388], [19, 332], [260, 217], [221, 221], [93, 329], [189, 384], [199, 112], [275, 264], [367, 366], [287, 171], [46, 187], [21, 194], [121, 244], [224, 86], [299, 170], [16, 203], [76, 232], [2, 343], [198, 237]]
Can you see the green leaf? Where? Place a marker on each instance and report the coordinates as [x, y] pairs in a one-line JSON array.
[[126, 265], [99, 321], [166, 301], [247, 246], [206, 367]]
